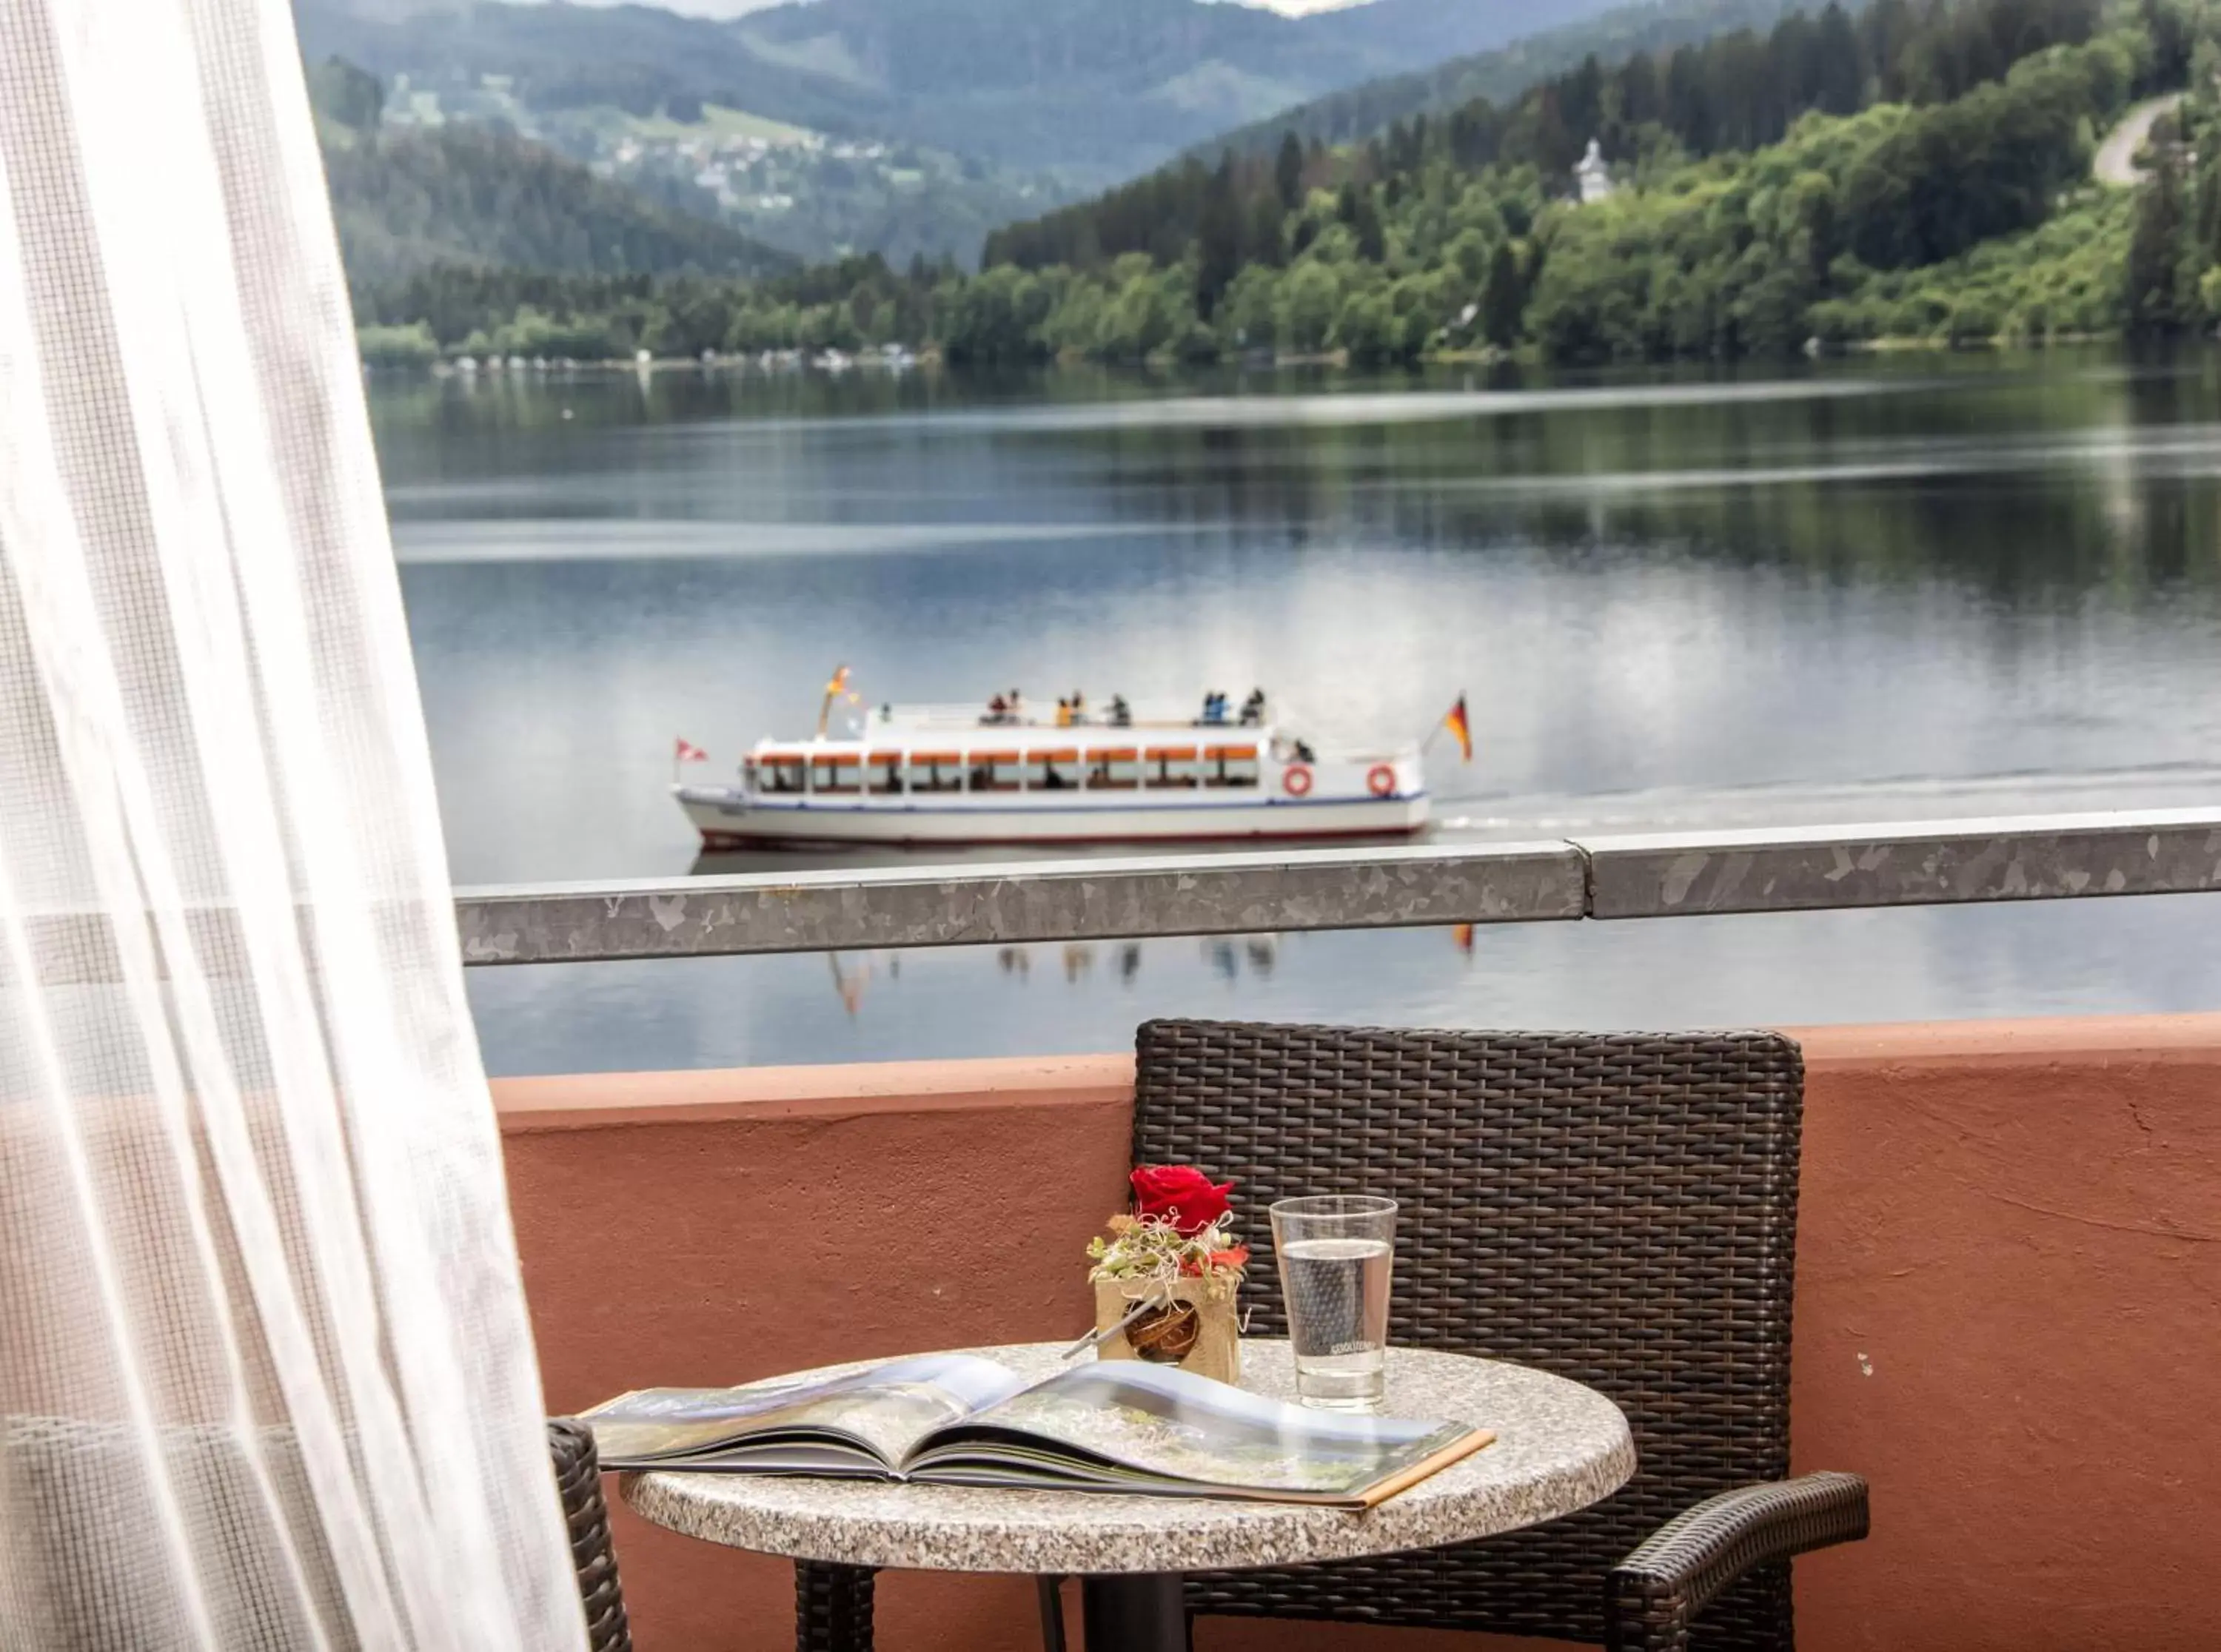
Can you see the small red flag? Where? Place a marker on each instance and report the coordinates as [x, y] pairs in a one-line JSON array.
[[687, 752]]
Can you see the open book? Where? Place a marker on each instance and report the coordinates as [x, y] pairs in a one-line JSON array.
[[1115, 1425]]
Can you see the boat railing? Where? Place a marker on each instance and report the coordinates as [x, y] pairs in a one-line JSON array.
[[1030, 714]]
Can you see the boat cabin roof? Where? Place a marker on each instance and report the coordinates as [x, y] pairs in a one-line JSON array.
[[1008, 744], [972, 731]]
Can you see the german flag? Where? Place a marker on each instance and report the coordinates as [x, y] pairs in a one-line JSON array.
[[1459, 725]]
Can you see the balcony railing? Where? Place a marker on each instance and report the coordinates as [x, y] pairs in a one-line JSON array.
[[2030, 858]]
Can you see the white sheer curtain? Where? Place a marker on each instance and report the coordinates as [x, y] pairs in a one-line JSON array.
[[265, 1377]]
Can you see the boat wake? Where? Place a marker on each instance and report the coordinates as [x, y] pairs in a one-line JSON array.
[[1907, 797]]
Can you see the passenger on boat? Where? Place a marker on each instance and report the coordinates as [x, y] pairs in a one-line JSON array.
[[1214, 707], [1252, 709], [999, 710], [1121, 714], [1063, 714]]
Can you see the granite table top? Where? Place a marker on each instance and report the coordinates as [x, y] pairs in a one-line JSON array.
[[1559, 1446]]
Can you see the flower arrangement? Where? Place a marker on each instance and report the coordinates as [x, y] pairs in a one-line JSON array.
[[1165, 1275], [1177, 1229]]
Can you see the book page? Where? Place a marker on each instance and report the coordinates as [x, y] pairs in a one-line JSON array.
[[884, 1409], [1168, 1423]]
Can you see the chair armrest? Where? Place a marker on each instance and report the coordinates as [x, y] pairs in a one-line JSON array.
[[1652, 1596]]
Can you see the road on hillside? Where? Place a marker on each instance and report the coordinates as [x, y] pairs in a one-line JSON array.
[[2115, 162]]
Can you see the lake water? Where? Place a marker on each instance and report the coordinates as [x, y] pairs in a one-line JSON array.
[[1900, 589]]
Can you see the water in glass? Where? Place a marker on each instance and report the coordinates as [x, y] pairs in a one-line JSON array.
[[1336, 1254]]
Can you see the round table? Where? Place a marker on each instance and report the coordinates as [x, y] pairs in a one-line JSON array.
[[1559, 1447]]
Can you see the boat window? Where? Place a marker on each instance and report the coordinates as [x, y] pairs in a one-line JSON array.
[[936, 771], [996, 771], [1114, 770], [1053, 771], [1229, 765], [781, 774], [883, 774], [833, 775], [1169, 766]]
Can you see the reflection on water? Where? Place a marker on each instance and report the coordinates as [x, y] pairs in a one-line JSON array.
[[1224, 958], [1878, 589], [1909, 963]]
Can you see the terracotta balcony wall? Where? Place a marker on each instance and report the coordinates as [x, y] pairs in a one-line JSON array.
[[2009, 1310]]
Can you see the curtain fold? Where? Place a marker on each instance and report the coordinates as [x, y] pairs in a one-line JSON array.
[[267, 1378]]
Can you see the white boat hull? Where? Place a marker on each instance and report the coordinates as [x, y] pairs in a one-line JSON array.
[[728, 817]]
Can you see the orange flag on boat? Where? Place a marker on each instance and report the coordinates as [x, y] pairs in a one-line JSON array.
[[1459, 726], [687, 751]]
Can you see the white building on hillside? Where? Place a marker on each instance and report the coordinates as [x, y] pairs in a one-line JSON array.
[[1590, 173]]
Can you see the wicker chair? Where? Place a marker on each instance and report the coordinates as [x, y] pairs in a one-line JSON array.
[[1619, 1209], [579, 1479]]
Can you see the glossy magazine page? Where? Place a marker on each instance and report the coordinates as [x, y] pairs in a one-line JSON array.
[[1125, 1425], [884, 1411]]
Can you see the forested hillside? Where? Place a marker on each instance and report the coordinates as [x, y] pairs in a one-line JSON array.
[[1097, 91], [1737, 90], [1501, 73], [1907, 172], [406, 200]]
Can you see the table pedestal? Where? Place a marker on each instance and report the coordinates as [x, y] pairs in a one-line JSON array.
[[1133, 1611]]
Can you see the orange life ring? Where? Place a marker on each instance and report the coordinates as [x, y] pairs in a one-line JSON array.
[[1381, 779], [1296, 780]]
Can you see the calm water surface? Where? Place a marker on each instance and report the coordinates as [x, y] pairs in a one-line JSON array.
[[1881, 590]]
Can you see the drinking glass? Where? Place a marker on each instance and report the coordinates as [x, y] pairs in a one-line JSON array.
[[1335, 1251]]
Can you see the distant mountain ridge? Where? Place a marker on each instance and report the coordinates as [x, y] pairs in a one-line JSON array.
[[1356, 113], [1098, 90]]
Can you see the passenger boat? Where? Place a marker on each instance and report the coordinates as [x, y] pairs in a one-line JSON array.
[[1005, 775]]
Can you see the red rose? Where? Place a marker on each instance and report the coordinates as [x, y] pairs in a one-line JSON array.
[[1180, 1194]]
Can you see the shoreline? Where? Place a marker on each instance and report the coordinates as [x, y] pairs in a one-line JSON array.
[[468, 369]]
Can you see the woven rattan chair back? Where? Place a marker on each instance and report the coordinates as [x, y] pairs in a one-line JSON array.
[[1619, 1209], [586, 1519]]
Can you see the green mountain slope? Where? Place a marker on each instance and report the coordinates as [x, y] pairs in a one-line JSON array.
[[1096, 89], [1356, 113], [1955, 221], [1733, 92], [556, 56], [408, 200], [1909, 171]]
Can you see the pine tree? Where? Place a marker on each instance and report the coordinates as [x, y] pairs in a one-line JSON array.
[[1842, 73], [1288, 172], [1218, 238], [2155, 263], [1502, 299], [1372, 236], [1261, 230]]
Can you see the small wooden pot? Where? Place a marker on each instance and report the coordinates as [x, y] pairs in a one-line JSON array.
[[1197, 1329]]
